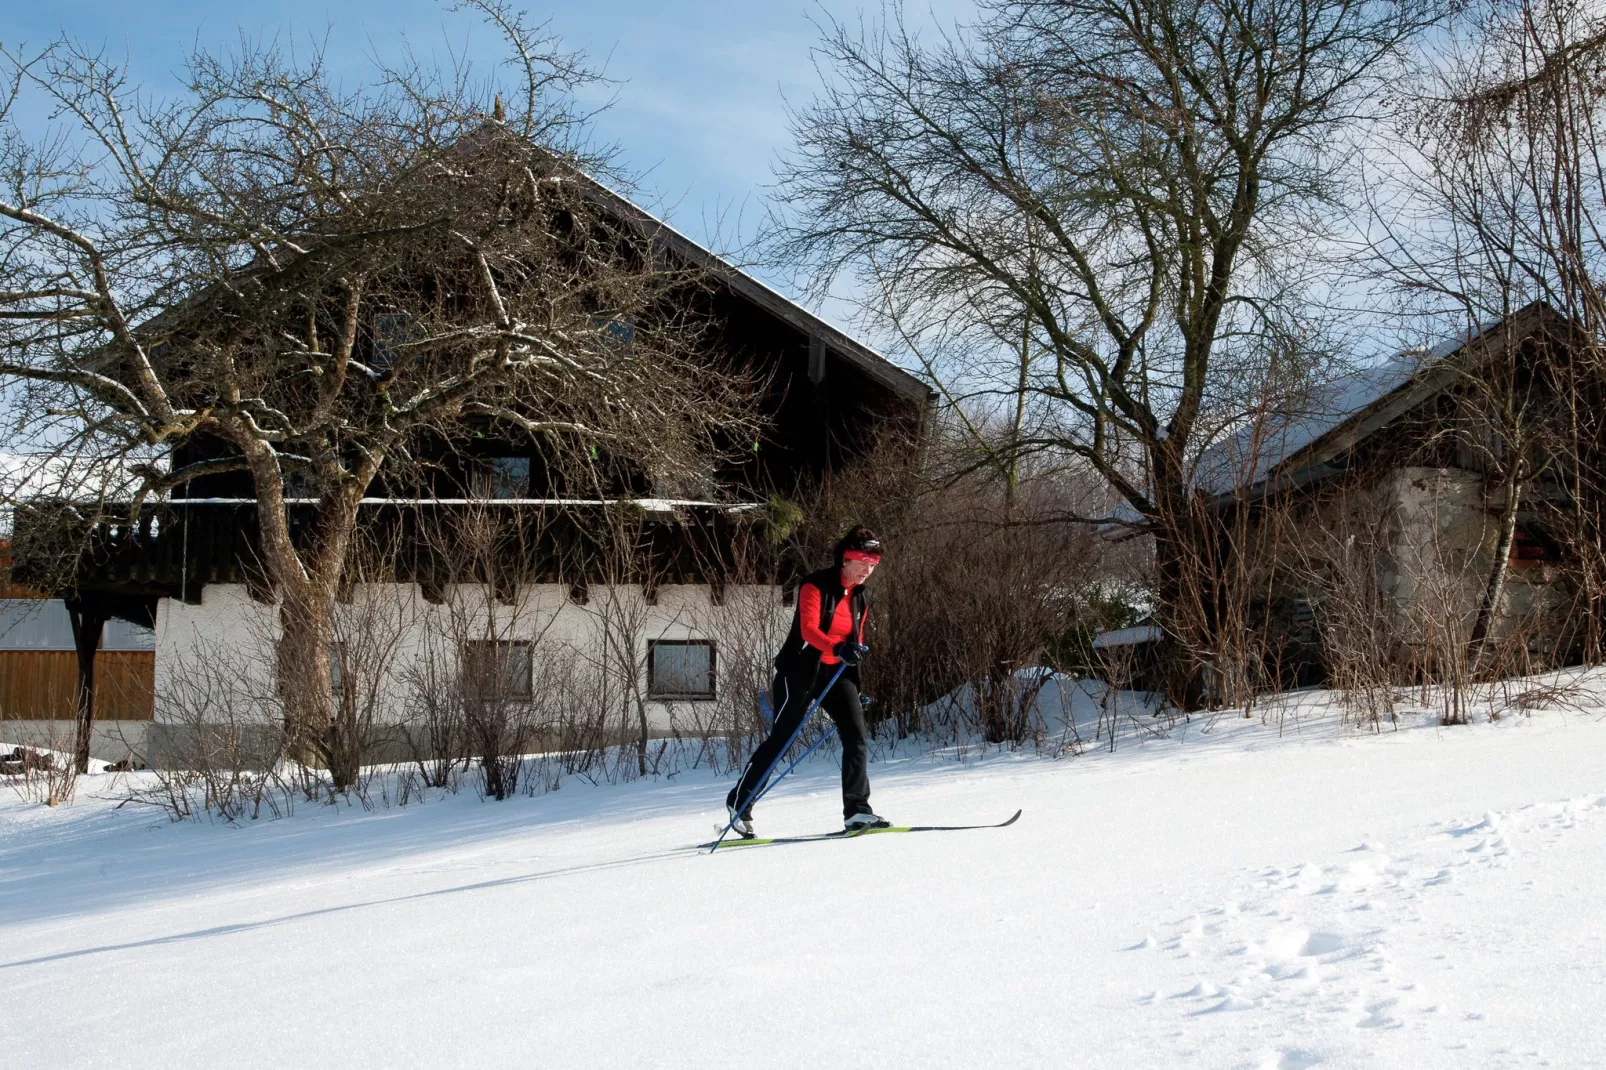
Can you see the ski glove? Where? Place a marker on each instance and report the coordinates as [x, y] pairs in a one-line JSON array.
[[849, 652]]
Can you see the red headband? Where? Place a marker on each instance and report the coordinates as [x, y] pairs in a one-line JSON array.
[[860, 555]]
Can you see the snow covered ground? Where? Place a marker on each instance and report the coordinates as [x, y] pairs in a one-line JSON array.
[[1228, 896]]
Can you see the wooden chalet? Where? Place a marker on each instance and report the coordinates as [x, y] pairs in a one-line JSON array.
[[187, 566]]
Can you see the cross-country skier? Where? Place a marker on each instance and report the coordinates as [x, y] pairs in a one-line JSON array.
[[827, 631]]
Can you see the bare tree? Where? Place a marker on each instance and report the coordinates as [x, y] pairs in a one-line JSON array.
[[1113, 204], [275, 275], [1502, 203]]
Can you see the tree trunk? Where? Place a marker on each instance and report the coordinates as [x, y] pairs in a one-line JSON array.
[[307, 592], [86, 630], [644, 737], [305, 686], [1181, 588], [1498, 571]]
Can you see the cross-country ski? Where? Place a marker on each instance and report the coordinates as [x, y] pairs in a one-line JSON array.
[[853, 834]]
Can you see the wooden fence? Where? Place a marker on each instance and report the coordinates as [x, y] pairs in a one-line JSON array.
[[43, 685]]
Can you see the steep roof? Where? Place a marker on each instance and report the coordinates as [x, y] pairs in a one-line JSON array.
[[868, 360], [1297, 444]]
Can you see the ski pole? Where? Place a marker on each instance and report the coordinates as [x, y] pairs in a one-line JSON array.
[[795, 763], [753, 795]]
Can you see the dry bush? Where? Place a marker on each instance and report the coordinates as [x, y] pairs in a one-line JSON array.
[[222, 753], [748, 630], [43, 772], [1348, 568], [433, 728], [616, 658], [982, 579], [483, 680], [370, 627]]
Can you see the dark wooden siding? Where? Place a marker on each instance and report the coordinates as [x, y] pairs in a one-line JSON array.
[[43, 685]]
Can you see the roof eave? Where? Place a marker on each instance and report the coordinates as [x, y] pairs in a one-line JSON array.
[[1305, 464]]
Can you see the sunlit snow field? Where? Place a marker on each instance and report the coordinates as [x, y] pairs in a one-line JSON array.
[[1236, 894]]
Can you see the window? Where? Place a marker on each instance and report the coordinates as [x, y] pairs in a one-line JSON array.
[[126, 635], [498, 669], [685, 486], [337, 666], [1531, 546], [391, 331], [816, 359], [504, 477], [618, 332], [298, 483], [680, 669]]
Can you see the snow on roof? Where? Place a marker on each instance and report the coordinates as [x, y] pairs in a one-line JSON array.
[[1250, 454], [36, 475], [1143, 633]]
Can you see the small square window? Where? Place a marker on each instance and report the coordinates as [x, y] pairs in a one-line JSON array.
[[680, 669], [498, 669], [391, 331], [342, 678], [337, 666], [504, 477], [618, 333], [1530, 546]]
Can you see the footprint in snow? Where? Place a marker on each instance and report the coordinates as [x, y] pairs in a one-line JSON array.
[[1233, 1002], [1202, 990], [1378, 1017], [1292, 1059], [1302, 943], [1489, 824]]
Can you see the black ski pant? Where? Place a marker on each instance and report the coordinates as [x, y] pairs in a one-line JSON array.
[[791, 697]]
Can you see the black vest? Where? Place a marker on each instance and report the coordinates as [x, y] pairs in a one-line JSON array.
[[797, 658]]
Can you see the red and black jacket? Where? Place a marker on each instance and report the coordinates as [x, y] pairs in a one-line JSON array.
[[799, 657]]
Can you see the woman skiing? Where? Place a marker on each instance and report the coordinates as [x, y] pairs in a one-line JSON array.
[[827, 634]]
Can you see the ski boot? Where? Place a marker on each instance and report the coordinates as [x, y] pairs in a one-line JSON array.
[[865, 820], [741, 824]]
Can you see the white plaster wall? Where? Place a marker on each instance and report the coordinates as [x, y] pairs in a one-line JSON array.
[[231, 634]]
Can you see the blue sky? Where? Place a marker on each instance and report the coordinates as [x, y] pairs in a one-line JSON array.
[[702, 84]]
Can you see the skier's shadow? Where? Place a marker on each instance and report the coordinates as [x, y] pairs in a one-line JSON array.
[[247, 926]]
